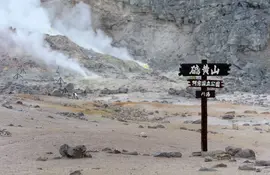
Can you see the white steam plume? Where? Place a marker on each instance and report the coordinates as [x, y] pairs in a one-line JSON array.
[[76, 24], [31, 22]]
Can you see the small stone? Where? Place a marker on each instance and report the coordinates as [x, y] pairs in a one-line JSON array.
[[11, 124], [228, 117], [257, 129], [196, 154], [250, 112], [39, 168], [36, 106], [220, 165], [76, 173], [19, 102], [160, 126], [246, 153], [143, 134], [247, 161], [42, 159], [20, 126], [50, 117], [183, 128], [208, 159], [168, 154], [146, 154], [231, 112], [197, 122], [246, 124], [121, 120], [257, 124], [262, 163], [141, 126], [152, 127], [49, 152], [134, 153], [207, 169], [223, 157], [106, 149], [247, 168]]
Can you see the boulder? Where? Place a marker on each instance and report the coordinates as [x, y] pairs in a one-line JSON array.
[[241, 153], [74, 152], [246, 153]]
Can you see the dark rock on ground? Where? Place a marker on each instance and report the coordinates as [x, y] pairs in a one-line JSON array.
[[74, 152], [78, 172], [220, 165], [246, 153], [247, 161], [231, 112], [19, 102], [228, 117], [208, 159], [197, 122], [207, 169], [5, 133], [140, 126], [156, 126], [79, 115], [241, 153], [168, 154], [42, 159], [250, 112], [247, 168], [183, 128], [262, 163], [246, 124], [195, 154], [51, 117], [134, 153], [7, 106]]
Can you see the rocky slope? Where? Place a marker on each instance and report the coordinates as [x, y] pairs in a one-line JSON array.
[[166, 33]]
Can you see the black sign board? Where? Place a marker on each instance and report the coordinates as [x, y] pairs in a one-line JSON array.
[[204, 70], [207, 94], [206, 83], [219, 69]]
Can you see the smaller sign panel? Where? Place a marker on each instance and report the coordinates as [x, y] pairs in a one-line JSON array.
[[206, 83], [207, 94]]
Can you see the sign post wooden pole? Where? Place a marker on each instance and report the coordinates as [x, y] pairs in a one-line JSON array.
[[204, 114]]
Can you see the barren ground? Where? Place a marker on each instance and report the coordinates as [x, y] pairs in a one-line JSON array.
[[40, 134]]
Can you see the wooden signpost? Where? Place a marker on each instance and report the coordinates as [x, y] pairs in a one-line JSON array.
[[204, 70]]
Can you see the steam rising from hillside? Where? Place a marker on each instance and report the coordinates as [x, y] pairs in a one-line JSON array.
[[76, 24], [31, 22]]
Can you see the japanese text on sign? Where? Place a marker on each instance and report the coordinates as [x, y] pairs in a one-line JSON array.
[[196, 70], [205, 83]]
